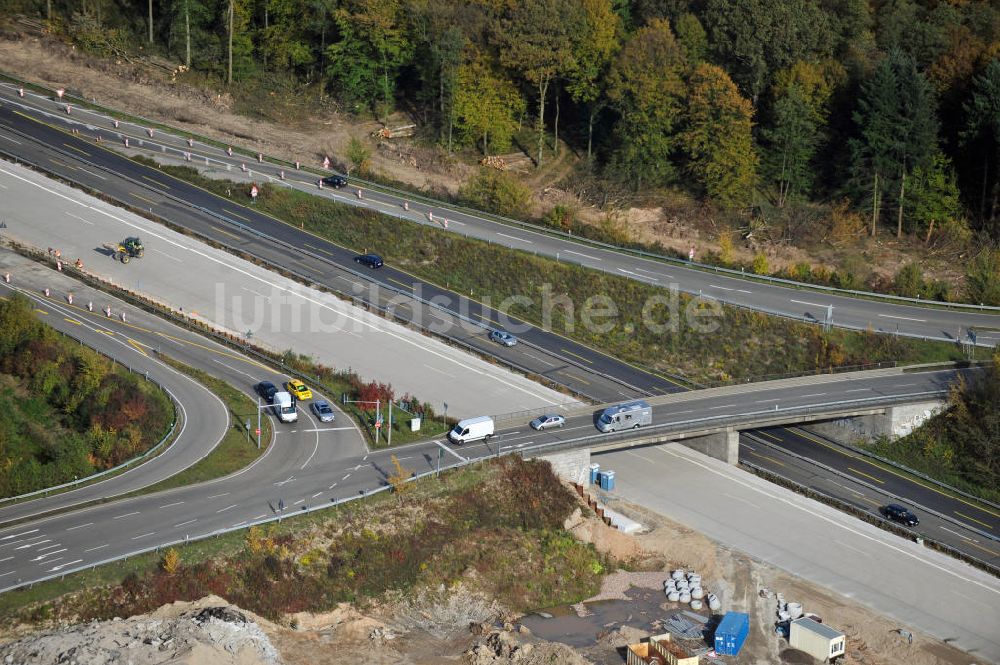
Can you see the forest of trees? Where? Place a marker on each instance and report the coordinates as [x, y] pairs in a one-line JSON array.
[[66, 411], [893, 105]]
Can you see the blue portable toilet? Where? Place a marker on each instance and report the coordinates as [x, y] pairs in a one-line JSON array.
[[732, 633], [595, 472], [608, 480]]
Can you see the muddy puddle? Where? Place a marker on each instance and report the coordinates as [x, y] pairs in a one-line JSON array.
[[643, 610]]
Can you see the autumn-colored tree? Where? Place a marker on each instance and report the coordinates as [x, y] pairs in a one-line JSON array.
[[536, 38], [646, 86], [593, 50], [399, 478], [486, 105], [718, 138], [171, 561]]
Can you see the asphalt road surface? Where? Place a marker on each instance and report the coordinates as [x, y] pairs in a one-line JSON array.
[[807, 305], [893, 576]]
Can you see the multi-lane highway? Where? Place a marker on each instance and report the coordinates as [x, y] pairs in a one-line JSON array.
[[176, 270], [947, 324]]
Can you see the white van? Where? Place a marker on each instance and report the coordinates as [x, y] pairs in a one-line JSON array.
[[625, 416], [472, 429], [284, 405]]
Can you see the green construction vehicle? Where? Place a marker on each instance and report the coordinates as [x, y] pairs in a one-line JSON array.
[[126, 249]]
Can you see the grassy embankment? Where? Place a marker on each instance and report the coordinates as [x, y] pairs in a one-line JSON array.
[[744, 345], [497, 527], [65, 410]]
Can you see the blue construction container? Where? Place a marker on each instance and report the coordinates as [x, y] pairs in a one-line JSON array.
[[595, 472], [607, 480], [732, 633]]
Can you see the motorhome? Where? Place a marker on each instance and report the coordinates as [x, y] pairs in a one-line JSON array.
[[284, 405], [472, 429], [625, 416]]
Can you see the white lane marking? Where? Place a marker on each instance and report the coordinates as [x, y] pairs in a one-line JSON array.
[[902, 318], [185, 523], [723, 288], [744, 291], [811, 304], [42, 556], [439, 371], [676, 413], [315, 495], [904, 385], [260, 517], [345, 477], [238, 524], [48, 547], [79, 526], [19, 143], [795, 504], [226, 508], [170, 505], [96, 175], [125, 515], [325, 429], [238, 371], [586, 256], [85, 221], [724, 406], [298, 502], [812, 395], [530, 242], [650, 272], [216, 496], [26, 546], [856, 390], [629, 272], [541, 360], [18, 535], [449, 450], [143, 535], [99, 547], [768, 401], [749, 447], [63, 565], [11, 572], [849, 489], [169, 256], [742, 500], [332, 486], [956, 533]]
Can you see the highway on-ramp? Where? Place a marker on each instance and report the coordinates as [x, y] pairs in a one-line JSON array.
[[856, 313]]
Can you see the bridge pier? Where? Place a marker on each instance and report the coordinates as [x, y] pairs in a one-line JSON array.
[[570, 465], [895, 422], [724, 446]]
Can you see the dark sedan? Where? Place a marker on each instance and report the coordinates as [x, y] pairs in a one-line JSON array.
[[337, 181], [369, 260], [898, 513], [266, 389]]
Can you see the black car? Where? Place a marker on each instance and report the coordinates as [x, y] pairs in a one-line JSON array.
[[369, 260], [898, 513], [337, 181], [266, 389]]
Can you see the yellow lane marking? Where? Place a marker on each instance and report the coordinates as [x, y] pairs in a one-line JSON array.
[[985, 549], [769, 435], [107, 332], [211, 350], [60, 162], [575, 355], [73, 321], [143, 198], [750, 452], [483, 317], [155, 182], [867, 500], [236, 214], [318, 249], [575, 377], [137, 346], [73, 147], [973, 519], [224, 232], [915, 481], [405, 286], [41, 311], [862, 473]]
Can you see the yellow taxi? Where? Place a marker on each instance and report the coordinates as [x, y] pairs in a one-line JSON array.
[[299, 390]]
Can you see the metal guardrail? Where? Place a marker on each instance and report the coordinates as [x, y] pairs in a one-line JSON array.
[[569, 237], [138, 458]]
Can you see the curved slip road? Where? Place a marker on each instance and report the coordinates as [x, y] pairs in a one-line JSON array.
[[855, 313]]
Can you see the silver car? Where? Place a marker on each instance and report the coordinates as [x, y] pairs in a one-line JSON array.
[[322, 410], [503, 337], [547, 421]]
